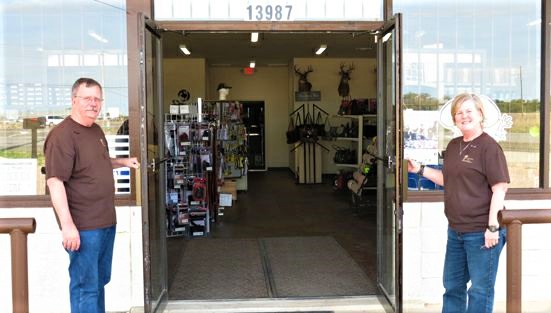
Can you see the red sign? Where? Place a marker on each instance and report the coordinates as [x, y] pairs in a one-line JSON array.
[[248, 71]]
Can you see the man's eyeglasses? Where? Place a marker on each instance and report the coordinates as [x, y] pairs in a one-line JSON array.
[[91, 99]]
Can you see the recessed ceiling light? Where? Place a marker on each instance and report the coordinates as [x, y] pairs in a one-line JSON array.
[[185, 50], [254, 37], [321, 49]]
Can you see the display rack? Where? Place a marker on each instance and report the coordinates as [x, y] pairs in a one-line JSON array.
[[359, 122], [190, 159], [231, 140], [308, 159]]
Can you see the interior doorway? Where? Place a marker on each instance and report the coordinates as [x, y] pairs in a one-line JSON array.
[[279, 237]]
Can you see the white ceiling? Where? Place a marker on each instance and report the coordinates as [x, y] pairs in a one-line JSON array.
[[273, 48]]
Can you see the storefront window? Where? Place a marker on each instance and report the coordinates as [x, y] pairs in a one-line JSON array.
[[44, 47], [486, 47]]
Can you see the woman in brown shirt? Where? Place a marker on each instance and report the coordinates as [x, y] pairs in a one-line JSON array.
[[476, 179]]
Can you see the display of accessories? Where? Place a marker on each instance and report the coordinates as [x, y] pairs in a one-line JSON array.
[[353, 129], [231, 140], [190, 153], [200, 155], [310, 131]]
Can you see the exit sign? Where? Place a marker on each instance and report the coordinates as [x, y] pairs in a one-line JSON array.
[[248, 71]]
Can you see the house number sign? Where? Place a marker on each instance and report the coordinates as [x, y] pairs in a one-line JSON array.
[[271, 12]]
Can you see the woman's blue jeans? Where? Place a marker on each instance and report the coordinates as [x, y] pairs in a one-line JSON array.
[[468, 260], [90, 270]]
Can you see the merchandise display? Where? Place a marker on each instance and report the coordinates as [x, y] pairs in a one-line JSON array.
[[190, 196], [231, 138], [200, 155], [305, 133]]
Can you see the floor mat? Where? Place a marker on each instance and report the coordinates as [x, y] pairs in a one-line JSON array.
[[313, 267], [219, 269], [271, 267]]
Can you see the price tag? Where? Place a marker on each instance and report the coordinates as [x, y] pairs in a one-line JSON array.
[[269, 12]]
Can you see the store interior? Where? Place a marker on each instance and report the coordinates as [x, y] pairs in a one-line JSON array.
[[265, 218]]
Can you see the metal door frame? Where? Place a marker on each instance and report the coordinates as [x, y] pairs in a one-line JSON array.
[[394, 302], [290, 27], [145, 25]]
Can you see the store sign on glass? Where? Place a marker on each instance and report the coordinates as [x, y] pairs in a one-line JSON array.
[[268, 10]]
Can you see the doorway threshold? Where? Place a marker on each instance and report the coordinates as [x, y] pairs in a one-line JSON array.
[[313, 305]]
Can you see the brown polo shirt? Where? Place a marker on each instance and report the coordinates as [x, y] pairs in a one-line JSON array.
[[470, 170], [79, 156]]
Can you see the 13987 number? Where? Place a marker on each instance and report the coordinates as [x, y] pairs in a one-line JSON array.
[[269, 12]]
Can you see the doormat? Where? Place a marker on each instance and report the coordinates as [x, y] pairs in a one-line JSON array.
[[313, 267], [275, 267], [219, 269]]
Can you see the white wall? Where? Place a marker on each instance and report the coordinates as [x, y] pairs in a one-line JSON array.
[[180, 74], [425, 234], [268, 84], [48, 263]]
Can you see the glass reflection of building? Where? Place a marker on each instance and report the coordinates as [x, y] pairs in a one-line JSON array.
[[46, 45], [486, 47]]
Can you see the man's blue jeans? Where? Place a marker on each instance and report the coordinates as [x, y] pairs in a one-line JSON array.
[[468, 260], [90, 270]]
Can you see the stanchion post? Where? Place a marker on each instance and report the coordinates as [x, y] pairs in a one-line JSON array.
[[18, 228], [514, 267]]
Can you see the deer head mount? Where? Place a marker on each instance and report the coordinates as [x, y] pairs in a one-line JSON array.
[[344, 89], [303, 83]]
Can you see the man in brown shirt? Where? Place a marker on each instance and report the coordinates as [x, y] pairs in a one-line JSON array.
[[79, 175]]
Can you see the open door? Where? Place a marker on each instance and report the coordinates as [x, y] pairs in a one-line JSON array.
[[390, 150], [152, 169]]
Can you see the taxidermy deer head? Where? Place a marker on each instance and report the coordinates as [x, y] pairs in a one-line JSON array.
[[344, 89], [303, 83]]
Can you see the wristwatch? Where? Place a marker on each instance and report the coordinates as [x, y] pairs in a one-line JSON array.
[[421, 170], [492, 228]]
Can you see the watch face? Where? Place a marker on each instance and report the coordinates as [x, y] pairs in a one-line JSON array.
[[493, 228]]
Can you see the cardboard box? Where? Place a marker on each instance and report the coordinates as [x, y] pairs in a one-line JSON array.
[[229, 186]]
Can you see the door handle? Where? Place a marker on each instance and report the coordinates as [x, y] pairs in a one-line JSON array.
[[391, 161], [153, 164]]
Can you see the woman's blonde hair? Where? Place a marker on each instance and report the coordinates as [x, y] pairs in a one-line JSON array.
[[461, 98]]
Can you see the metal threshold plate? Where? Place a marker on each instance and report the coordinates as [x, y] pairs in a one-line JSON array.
[[318, 305]]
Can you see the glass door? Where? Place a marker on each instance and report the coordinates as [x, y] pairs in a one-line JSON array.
[[152, 170], [390, 150]]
